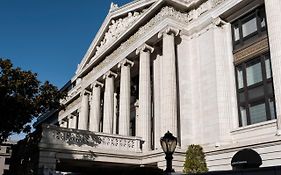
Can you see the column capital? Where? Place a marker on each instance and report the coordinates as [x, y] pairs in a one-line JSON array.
[[144, 48], [218, 22], [126, 62], [85, 92], [109, 74], [169, 30], [97, 84]]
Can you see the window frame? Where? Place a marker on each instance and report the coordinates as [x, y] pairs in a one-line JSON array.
[[265, 98], [261, 31]]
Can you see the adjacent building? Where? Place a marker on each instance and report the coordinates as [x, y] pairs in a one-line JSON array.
[[5, 157], [209, 71]]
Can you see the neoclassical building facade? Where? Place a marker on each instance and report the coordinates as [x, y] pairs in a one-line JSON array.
[[208, 71]]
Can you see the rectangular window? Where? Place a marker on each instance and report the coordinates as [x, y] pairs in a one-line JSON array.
[[255, 91], [251, 25]]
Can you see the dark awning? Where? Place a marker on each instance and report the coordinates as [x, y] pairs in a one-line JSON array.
[[246, 158]]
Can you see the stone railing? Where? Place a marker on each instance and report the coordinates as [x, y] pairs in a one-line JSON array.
[[56, 135]]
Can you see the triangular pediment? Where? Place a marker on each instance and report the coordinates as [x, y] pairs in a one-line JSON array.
[[118, 20], [122, 22]]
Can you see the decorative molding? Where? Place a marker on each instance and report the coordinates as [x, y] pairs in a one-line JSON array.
[[169, 30], [165, 12], [109, 74], [251, 51], [144, 48], [97, 84], [126, 62], [57, 135], [113, 7], [116, 29]]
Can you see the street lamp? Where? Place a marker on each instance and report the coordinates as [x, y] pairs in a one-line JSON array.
[[168, 144]]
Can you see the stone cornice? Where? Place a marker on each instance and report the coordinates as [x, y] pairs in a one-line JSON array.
[[191, 15]]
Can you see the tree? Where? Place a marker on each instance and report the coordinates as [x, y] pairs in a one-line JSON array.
[[195, 160], [23, 97]]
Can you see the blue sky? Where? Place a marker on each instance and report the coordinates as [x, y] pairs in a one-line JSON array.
[[50, 37]]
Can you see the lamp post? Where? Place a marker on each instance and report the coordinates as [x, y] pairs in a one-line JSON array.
[[168, 144]]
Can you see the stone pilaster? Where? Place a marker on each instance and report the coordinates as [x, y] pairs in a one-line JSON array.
[[125, 97], [95, 111], [108, 102], [145, 95], [273, 14], [84, 111], [168, 81]]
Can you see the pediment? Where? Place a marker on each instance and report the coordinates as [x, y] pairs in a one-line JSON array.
[[118, 20], [121, 22]]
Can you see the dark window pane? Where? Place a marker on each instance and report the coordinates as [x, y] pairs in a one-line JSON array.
[[257, 113], [257, 92], [249, 27], [242, 98], [270, 89], [254, 73]]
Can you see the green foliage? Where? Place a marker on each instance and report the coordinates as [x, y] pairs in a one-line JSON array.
[[23, 97], [195, 160]]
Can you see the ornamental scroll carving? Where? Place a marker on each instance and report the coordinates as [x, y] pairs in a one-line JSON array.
[[116, 28], [79, 139]]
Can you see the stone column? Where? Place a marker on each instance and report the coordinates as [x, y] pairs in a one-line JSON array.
[[95, 111], [125, 97], [273, 9], [145, 95], [72, 121], [169, 81], [156, 101], [115, 113], [108, 102], [63, 123], [84, 111]]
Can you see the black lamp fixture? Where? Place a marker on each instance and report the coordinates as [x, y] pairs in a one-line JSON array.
[[168, 144]]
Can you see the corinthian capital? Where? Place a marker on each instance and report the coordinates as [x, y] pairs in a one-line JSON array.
[[126, 62], [144, 48], [169, 30]]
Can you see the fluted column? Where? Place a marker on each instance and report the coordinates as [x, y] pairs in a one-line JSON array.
[[72, 121], [115, 112], [145, 95], [157, 100], [108, 102], [95, 111], [273, 9], [125, 97], [168, 81], [84, 111]]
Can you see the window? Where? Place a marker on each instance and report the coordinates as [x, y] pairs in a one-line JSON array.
[[250, 26], [255, 91]]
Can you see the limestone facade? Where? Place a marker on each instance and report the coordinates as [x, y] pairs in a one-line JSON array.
[[165, 65]]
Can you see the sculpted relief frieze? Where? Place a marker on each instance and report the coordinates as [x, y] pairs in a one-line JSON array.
[[166, 12], [116, 28]]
